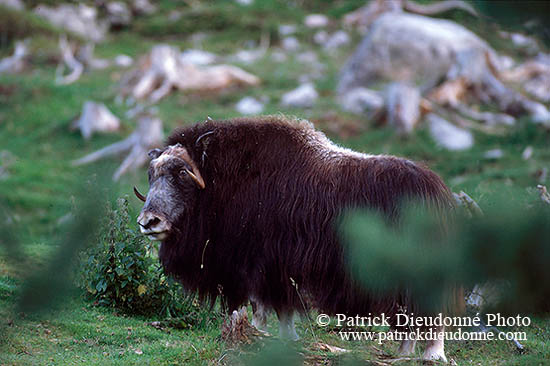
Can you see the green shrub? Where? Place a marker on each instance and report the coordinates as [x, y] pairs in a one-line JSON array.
[[122, 271]]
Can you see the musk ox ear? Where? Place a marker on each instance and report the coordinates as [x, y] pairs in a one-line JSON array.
[[155, 153], [196, 176]]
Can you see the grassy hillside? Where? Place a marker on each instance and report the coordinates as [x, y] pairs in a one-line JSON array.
[[42, 185]]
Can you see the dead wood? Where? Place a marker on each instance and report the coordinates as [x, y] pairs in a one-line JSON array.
[[533, 76], [450, 66], [438, 7], [148, 135], [76, 61], [365, 15], [80, 19], [163, 70], [402, 107], [471, 206], [95, 117], [328, 348], [544, 195], [237, 329], [76, 67], [16, 62]]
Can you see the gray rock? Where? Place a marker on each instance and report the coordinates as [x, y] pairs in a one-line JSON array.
[[361, 100], [198, 57], [448, 135], [175, 15], [96, 117], [124, 61], [303, 96], [290, 44], [118, 13], [308, 57], [316, 21], [247, 56], [143, 7], [249, 105], [13, 4], [7, 159], [80, 19], [287, 29], [493, 154], [526, 43], [409, 48], [527, 153], [321, 37], [336, 40], [279, 56]]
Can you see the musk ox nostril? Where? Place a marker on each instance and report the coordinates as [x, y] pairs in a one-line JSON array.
[[153, 221], [148, 220]]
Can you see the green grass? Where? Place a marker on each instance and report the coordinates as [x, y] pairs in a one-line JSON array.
[[35, 116]]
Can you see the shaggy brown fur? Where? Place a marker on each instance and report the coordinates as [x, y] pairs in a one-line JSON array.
[[274, 189]]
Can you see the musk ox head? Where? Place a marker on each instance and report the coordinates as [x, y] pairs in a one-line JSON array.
[[174, 180]]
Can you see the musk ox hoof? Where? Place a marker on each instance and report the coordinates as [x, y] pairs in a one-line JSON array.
[[259, 324], [434, 353]]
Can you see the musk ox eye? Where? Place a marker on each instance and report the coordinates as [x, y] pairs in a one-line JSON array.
[[184, 173]]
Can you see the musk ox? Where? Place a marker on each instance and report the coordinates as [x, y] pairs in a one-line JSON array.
[[246, 209]]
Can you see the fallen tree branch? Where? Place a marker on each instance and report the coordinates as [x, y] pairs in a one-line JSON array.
[[453, 116], [86, 56], [438, 7], [148, 135], [468, 203], [402, 107], [95, 117], [366, 14], [544, 195], [163, 70], [490, 119], [76, 68], [15, 63]]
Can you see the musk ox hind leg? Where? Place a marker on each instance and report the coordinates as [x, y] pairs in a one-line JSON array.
[[435, 348], [259, 315], [286, 325], [406, 347]]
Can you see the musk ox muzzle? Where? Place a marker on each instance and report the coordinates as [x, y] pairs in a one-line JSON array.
[[155, 226], [173, 179], [154, 219]]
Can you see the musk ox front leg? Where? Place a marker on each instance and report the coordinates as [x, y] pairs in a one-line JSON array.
[[435, 349]]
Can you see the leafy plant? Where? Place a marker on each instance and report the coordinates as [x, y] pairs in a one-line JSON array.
[[122, 271]]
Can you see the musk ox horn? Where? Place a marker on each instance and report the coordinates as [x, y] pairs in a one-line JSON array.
[[197, 178], [202, 136], [139, 195]]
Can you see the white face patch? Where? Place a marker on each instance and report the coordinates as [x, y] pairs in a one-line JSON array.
[[171, 152]]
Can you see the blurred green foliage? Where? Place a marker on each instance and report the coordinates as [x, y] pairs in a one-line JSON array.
[[519, 15], [508, 244], [16, 25]]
